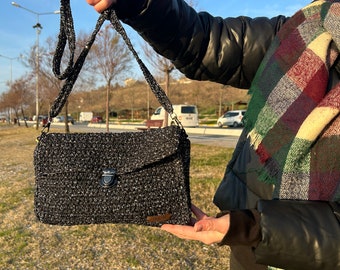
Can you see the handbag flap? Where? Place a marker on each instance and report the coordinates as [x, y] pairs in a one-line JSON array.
[[125, 152]]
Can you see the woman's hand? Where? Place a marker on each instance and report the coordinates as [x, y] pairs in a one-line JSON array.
[[208, 230], [101, 5]]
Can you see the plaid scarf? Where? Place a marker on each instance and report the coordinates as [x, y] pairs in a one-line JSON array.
[[293, 117]]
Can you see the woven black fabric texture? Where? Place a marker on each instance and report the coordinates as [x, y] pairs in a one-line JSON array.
[[152, 177], [91, 178]]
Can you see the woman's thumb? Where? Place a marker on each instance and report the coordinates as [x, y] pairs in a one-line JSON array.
[[203, 225]]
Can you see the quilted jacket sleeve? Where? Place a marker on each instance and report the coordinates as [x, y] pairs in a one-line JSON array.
[[229, 51], [299, 234], [204, 47], [291, 235]]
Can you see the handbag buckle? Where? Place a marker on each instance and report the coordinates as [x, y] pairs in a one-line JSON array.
[[109, 178]]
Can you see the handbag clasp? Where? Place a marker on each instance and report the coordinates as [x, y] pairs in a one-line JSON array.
[[109, 178]]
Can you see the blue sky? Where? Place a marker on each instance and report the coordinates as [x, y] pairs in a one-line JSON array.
[[17, 34]]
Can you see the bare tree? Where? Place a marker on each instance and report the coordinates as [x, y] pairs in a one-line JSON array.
[[163, 65], [111, 59], [5, 106], [49, 85], [18, 98]]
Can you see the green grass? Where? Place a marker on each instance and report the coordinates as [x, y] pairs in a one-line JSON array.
[[27, 244]]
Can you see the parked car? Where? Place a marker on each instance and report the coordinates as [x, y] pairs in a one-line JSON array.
[[97, 119], [41, 118], [231, 119], [61, 119], [44, 120], [187, 114], [57, 119]]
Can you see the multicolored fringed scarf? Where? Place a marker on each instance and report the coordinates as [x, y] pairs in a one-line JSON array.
[[293, 117]]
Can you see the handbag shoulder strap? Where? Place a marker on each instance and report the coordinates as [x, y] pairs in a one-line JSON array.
[[70, 74]]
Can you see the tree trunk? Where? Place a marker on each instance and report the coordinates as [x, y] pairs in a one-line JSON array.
[[67, 127], [17, 118], [107, 105], [167, 92], [23, 116]]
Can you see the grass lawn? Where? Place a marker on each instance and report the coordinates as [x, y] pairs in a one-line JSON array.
[[27, 244]]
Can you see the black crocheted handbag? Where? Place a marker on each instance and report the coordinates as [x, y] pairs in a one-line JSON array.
[[131, 177]]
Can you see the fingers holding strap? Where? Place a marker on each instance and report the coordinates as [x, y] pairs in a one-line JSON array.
[[101, 5]]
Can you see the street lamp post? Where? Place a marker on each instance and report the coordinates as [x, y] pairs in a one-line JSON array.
[[38, 29]]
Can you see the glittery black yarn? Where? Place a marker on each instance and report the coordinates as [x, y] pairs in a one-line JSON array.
[[152, 177], [151, 168]]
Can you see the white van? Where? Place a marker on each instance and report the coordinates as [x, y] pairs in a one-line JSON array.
[[186, 114]]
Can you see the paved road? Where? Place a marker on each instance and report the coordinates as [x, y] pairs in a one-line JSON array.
[[225, 137]]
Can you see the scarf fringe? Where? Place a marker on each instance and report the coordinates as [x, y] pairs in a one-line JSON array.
[[255, 139], [298, 61]]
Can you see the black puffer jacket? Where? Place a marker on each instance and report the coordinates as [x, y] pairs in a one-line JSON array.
[[295, 234]]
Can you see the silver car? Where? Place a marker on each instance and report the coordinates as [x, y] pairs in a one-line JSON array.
[[231, 119]]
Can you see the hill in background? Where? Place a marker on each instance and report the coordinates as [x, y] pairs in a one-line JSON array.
[[132, 100]]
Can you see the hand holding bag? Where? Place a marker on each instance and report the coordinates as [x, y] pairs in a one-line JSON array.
[[93, 178]]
